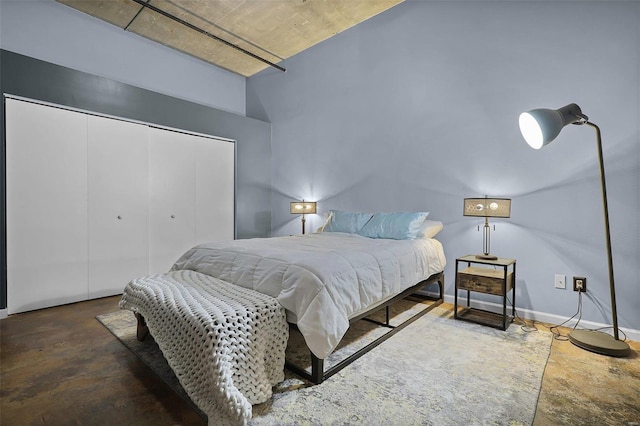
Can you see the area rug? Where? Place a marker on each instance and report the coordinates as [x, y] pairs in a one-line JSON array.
[[437, 371]]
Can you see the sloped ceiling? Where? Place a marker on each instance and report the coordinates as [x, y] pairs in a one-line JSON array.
[[242, 36]]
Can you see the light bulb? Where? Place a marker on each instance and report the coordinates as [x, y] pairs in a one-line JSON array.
[[531, 130]]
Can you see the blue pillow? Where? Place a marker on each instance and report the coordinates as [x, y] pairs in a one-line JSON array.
[[396, 226], [347, 221]]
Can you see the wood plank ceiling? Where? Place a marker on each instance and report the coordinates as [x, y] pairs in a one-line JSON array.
[[272, 30]]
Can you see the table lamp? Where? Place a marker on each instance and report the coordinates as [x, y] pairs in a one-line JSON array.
[[302, 207], [487, 207]]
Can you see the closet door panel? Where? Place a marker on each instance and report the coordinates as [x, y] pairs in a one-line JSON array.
[[215, 193], [172, 197], [46, 172], [118, 204]]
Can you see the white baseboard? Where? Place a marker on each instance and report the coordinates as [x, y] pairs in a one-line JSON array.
[[630, 333], [4, 313]]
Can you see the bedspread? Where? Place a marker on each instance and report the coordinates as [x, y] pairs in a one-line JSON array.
[[320, 279], [226, 344]]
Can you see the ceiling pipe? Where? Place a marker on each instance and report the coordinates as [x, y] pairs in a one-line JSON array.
[[206, 33]]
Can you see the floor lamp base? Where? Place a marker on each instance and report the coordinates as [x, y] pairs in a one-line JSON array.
[[599, 342]]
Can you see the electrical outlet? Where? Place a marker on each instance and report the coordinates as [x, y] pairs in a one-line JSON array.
[[560, 281], [580, 284]]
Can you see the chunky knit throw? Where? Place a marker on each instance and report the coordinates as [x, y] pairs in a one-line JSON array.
[[225, 343]]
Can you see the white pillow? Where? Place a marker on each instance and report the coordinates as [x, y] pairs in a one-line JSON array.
[[326, 222], [430, 228]]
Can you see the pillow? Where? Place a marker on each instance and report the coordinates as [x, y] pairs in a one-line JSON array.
[[326, 222], [430, 228], [397, 226], [346, 221]]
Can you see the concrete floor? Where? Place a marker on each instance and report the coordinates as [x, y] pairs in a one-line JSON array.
[[61, 366]]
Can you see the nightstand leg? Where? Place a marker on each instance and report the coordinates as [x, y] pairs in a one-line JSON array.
[[455, 294], [468, 292], [504, 299], [513, 307]]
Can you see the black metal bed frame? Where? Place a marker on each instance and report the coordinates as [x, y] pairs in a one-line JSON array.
[[318, 373]]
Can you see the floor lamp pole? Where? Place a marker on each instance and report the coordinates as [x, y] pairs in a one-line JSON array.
[[596, 341], [607, 232]]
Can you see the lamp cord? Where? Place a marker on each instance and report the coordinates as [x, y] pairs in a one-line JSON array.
[[554, 329], [527, 328]]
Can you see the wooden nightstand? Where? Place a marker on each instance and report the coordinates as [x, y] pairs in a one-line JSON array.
[[489, 277]]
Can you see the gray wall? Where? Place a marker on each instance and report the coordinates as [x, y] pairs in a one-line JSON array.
[[418, 108], [32, 78], [59, 34]]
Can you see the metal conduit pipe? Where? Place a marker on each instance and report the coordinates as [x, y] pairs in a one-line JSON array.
[[204, 32]]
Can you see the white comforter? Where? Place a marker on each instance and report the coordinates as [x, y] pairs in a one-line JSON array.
[[320, 279]]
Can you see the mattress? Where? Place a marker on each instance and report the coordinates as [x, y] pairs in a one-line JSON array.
[[320, 279]]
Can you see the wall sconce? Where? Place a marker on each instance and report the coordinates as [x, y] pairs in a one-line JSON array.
[[539, 127], [487, 207], [302, 207]]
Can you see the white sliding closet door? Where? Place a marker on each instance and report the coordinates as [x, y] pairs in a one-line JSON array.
[[118, 204], [94, 202], [215, 176], [172, 197], [46, 158]]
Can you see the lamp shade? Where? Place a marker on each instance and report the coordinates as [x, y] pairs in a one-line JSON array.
[[302, 207], [487, 207], [541, 126]]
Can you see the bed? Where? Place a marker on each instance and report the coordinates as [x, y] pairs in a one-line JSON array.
[[328, 279], [213, 310]]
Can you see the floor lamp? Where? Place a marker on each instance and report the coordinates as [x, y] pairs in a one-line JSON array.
[[539, 127]]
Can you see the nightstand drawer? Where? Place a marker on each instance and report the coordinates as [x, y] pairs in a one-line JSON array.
[[484, 280]]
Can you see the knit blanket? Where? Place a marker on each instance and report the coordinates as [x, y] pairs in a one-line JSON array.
[[226, 344]]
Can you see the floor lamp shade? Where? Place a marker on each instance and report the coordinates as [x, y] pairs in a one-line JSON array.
[[539, 127]]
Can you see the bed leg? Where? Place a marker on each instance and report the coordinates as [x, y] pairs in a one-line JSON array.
[[142, 329], [317, 369]]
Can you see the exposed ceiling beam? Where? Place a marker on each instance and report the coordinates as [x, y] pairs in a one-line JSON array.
[[206, 33]]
